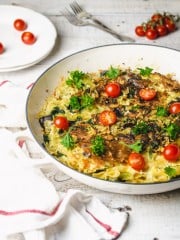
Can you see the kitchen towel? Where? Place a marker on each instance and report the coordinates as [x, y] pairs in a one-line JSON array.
[[29, 200]]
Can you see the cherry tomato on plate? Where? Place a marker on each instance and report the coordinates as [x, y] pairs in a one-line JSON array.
[[151, 34], [113, 89], [1, 48], [162, 30], [139, 30], [147, 94], [61, 122], [107, 118], [136, 161], [28, 38], [171, 152], [174, 108], [20, 24]]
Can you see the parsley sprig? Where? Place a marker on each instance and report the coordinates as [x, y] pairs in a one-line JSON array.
[[112, 72], [170, 171], [173, 130], [141, 128], [145, 71], [137, 146], [80, 102], [68, 141], [98, 145], [75, 79]]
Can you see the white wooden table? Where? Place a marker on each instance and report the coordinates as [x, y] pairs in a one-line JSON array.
[[151, 216]]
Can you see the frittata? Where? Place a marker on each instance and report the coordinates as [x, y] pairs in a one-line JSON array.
[[115, 124]]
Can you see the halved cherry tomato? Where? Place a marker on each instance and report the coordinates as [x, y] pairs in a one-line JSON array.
[[139, 30], [174, 108], [147, 94], [136, 161], [107, 118], [20, 24], [1, 48], [162, 30], [171, 152], [113, 89], [61, 122], [28, 38], [151, 34]]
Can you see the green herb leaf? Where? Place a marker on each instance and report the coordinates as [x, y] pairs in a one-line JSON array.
[[74, 103], [141, 128], [137, 146], [161, 112], [173, 130], [57, 110], [86, 101], [171, 172], [98, 145], [145, 71], [113, 72], [67, 141], [76, 79]]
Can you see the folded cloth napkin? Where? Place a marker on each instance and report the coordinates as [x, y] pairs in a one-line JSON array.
[[29, 200]]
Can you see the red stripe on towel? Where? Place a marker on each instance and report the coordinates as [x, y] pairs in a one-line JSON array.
[[104, 225], [3, 82], [21, 143], [36, 211]]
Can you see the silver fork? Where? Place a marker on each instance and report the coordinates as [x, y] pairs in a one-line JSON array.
[[73, 19]]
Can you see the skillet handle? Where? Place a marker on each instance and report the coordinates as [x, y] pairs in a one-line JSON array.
[[26, 136]]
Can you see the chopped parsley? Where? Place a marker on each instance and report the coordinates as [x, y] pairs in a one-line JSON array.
[[137, 146], [145, 71], [161, 112], [171, 172], [76, 79], [68, 141], [113, 72], [98, 145]]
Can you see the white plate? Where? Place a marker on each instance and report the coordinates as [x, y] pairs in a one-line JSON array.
[[161, 59], [18, 55]]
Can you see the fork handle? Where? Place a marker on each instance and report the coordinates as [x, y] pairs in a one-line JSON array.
[[98, 24]]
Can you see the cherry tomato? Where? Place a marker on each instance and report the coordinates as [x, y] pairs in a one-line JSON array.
[[1, 48], [156, 17], [28, 38], [174, 108], [113, 89], [147, 94], [139, 30], [20, 25], [107, 118], [136, 161], [151, 34], [170, 26], [61, 122], [162, 30], [171, 152]]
